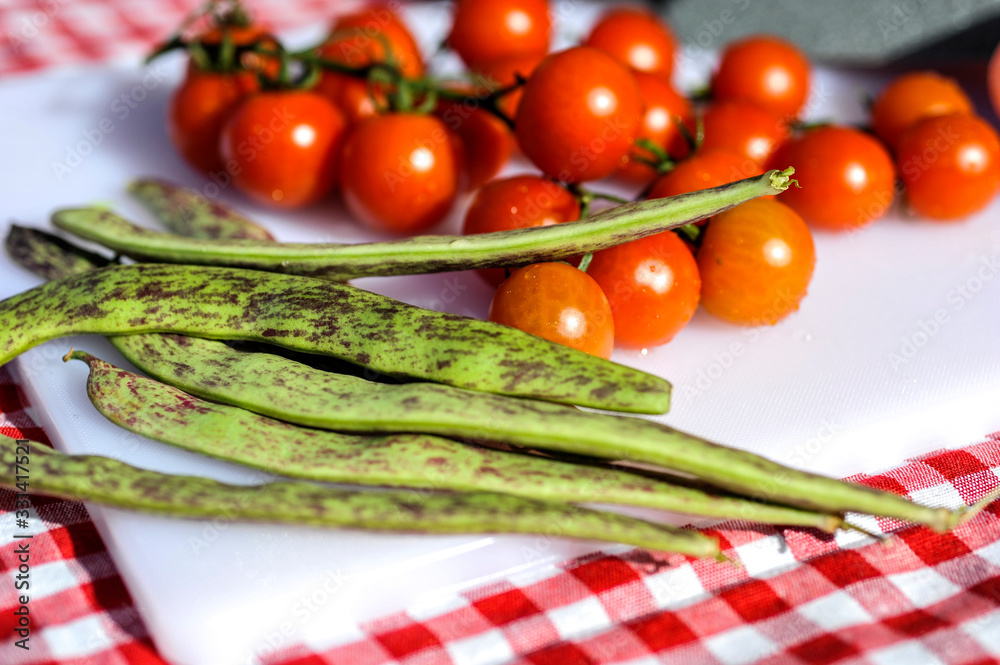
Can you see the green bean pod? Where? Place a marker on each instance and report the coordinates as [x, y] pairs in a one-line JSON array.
[[288, 390], [190, 214], [422, 254], [317, 316], [49, 256], [163, 413], [113, 483]]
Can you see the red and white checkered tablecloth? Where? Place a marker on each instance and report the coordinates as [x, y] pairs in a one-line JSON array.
[[794, 597]]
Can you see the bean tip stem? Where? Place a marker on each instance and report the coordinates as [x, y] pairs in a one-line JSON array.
[[782, 180]]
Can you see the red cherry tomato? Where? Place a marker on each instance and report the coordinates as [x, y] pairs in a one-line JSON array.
[[558, 302], [360, 38], [652, 286], [637, 38], [664, 110], [579, 115], [950, 166], [243, 39], [846, 177], [281, 148], [766, 71], [351, 95], [912, 97], [400, 172], [485, 31], [756, 261], [487, 140], [517, 203], [709, 167], [199, 108], [744, 128], [504, 73]]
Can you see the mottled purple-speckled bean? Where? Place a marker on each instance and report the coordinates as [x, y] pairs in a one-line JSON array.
[[163, 413], [423, 254], [318, 316], [112, 483], [188, 213]]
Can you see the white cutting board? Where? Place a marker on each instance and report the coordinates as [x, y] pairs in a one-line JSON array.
[[818, 390]]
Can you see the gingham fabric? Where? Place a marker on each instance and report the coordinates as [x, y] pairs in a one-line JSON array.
[[790, 596]]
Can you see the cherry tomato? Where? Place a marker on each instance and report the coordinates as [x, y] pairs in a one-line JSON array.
[[487, 140], [360, 38], [504, 73], [709, 167], [485, 31], [281, 148], [766, 71], [664, 110], [846, 177], [199, 108], [401, 172], [243, 38], [756, 261], [351, 95], [652, 286], [911, 98], [558, 302], [744, 128], [517, 203], [579, 115], [637, 38], [950, 166]]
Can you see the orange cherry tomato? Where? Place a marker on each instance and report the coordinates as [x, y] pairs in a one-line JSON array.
[[199, 108], [516, 203], [637, 38], [485, 31], [744, 128], [243, 38], [579, 115], [504, 73], [763, 70], [664, 110], [360, 38], [281, 148], [846, 177], [401, 172], [912, 97], [756, 261], [558, 302], [950, 166], [708, 167], [652, 286]]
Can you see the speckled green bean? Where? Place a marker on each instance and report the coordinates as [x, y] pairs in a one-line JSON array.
[[113, 483], [190, 214], [317, 316], [163, 413], [423, 254]]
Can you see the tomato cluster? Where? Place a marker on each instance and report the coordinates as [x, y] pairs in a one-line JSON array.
[[358, 114]]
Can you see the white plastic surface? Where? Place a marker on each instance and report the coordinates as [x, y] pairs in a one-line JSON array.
[[820, 390]]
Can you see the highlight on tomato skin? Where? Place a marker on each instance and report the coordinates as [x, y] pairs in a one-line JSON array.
[[517, 202], [559, 303], [846, 177], [756, 262], [652, 285], [950, 166]]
